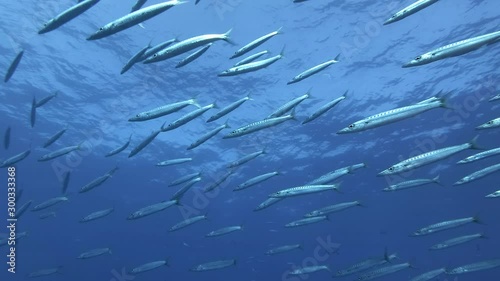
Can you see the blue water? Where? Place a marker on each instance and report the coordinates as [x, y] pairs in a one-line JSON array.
[[95, 102]]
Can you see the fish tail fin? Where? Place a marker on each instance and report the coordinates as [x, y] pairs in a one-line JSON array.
[[194, 102], [359, 203], [282, 53], [249, 96], [280, 30], [387, 258], [79, 146], [226, 37], [483, 236], [308, 93], [292, 115], [337, 188], [443, 99], [473, 144], [226, 125], [477, 219], [345, 94], [437, 180], [167, 261], [264, 150], [337, 58], [110, 252]]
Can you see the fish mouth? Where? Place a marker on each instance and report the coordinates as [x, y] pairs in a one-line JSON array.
[[407, 65], [343, 131], [383, 173], [291, 82]]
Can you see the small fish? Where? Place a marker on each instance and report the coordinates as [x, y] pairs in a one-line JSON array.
[[478, 266], [94, 253], [54, 138], [98, 181], [44, 272], [144, 143], [456, 241], [445, 225], [384, 271], [495, 98], [133, 19], [332, 209], [429, 275], [412, 183], [481, 155], [213, 265], [255, 43], [67, 15], [490, 124], [15, 159], [187, 222], [153, 50], [185, 178], [323, 109], [219, 181], [163, 110], [260, 125], [174, 162], [47, 215], [289, 105], [13, 66], [309, 269], [306, 221], [193, 56], [410, 10], [256, 180], [495, 194], [455, 49], [479, 174], [367, 264], [138, 4], [49, 203], [302, 190], [151, 209], [119, 149], [283, 249], [269, 201], [6, 138], [208, 136], [188, 117], [149, 266], [97, 215], [21, 210], [333, 175], [224, 231], [46, 99], [180, 193], [246, 158], [251, 58], [252, 66], [60, 152], [226, 110], [135, 59], [33, 113], [313, 70]]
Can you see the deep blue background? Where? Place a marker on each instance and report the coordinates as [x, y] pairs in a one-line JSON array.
[[96, 101]]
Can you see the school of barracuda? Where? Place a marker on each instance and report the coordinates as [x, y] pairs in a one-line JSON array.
[[193, 49]]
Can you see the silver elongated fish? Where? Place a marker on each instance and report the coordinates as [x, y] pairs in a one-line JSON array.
[[193, 56], [392, 116], [135, 59], [324, 108], [185, 178], [479, 174], [306, 221], [224, 231], [19, 235], [256, 180], [410, 10], [255, 43], [21, 210], [187, 45], [188, 117], [289, 105], [246, 158], [332, 208], [46, 99], [309, 269], [133, 19], [180, 193], [138, 4], [6, 138], [219, 181], [440, 226], [119, 149], [481, 155], [155, 49], [33, 113], [455, 49], [174, 162], [283, 249], [252, 66], [187, 222], [98, 181], [163, 110], [15, 159], [313, 70], [260, 125], [224, 111], [44, 272], [412, 183], [495, 98], [47, 215], [97, 215], [54, 138], [333, 175], [456, 241], [151, 209], [268, 202], [66, 178], [429, 275], [220, 264], [208, 136], [251, 58], [428, 157], [384, 271], [149, 266], [144, 143], [94, 253], [490, 124], [495, 194], [302, 190], [366, 264], [58, 153], [13, 66], [49, 203], [67, 15], [478, 266]]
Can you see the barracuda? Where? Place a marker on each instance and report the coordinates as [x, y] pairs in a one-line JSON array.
[[251, 58], [289, 105], [256, 180], [313, 70], [252, 66], [255, 43], [119, 149], [481, 155], [188, 117], [445, 225], [323, 109], [67, 15], [384, 271], [163, 110], [412, 183], [478, 266], [15, 159], [479, 174], [260, 125], [490, 124], [193, 56], [429, 275], [302, 190], [226, 110], [54, 138], [208, 136], [98, 181], [456, 241], [151, 209], [97, 215], [60, 152], [410, 10]]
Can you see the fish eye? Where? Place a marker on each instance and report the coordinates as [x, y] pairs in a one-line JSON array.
[[155, 55], [418, 58], [352, 126], [489, 122], [391, 169]]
